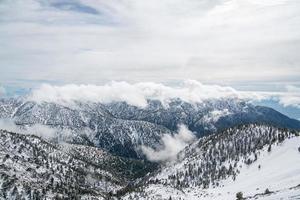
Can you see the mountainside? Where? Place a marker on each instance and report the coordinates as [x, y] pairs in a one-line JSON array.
[[121, 128], [32, 168], [258, 161], [89, 124], [92, 150]]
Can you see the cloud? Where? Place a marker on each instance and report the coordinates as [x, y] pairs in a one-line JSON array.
[[136, 94], [171, 145], [291, 98], [40, 130], [97, 40], [215, 115], [7, 124], [70, 5]]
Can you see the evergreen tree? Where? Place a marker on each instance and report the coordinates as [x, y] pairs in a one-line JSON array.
[[239, 196]]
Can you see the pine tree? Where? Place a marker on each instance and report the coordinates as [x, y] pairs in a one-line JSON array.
[[267, 191], [239, 196]]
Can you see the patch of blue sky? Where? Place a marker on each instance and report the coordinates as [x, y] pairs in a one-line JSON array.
[[22, 87], [55, 13], [11, 91], [74, 6]]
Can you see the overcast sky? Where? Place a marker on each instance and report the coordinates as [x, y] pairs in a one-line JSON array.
[[249, 45], [94, 41]]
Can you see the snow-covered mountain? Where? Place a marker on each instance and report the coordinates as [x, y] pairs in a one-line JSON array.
[[253, 161], [93, 150], [203, 118], [121, 128], [89, 124], [31, 168]]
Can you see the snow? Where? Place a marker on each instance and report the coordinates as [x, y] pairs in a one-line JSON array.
[[290, 194], [280, 169], [279, 172], [215, 115]]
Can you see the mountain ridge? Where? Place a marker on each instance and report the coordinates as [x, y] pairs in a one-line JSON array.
[[121, 128]]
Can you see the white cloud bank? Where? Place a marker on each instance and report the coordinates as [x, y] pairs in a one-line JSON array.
[[43, 131], [137, 94], [172, 145], [37, 129]]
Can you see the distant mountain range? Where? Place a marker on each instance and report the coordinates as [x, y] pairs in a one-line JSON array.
[[121, 128]]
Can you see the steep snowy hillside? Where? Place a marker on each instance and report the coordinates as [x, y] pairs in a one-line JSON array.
[[258, 161], [121, 128], [35, 169]]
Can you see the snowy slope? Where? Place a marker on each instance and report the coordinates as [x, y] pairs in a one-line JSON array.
[[279, 172], [33, 168], [280, 167], [290, 194]]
